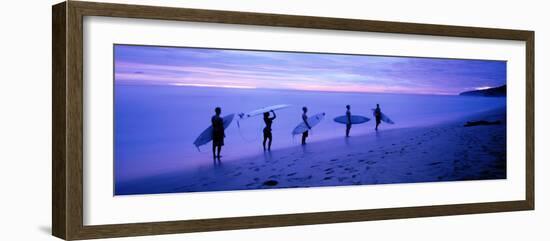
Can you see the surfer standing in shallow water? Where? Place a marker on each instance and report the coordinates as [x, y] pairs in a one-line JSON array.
[[377, 116], [348, 118], [304, 118], [218, 134], [267, 129]]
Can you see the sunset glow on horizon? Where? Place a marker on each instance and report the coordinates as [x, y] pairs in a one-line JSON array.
[[244, 69]]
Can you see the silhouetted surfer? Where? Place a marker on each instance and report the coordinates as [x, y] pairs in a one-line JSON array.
[[304, 118], [218, 134], [267, 129], [348, 117], [377, 116]]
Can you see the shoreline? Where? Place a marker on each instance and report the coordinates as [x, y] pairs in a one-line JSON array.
[[446, 151]]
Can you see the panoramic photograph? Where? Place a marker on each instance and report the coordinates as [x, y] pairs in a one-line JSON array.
[[190, 119]]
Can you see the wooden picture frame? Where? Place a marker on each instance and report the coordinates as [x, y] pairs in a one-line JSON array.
[[67, 149]]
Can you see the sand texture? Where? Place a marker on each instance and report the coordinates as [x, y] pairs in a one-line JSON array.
[[443, 152]]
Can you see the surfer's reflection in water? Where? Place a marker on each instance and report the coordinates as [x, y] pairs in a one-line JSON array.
[[348, 116], [377, 116], [304, 118], [268, 136], [218, 134]]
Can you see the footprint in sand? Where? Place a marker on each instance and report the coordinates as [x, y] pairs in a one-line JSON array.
[[327, 178], [291, 174], [299, 179]]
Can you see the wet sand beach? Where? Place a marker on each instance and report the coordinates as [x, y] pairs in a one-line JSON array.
[[446, 151]]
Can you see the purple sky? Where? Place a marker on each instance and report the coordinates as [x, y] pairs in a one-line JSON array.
[[302, 71]]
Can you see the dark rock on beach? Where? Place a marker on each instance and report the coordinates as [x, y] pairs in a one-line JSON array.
[[271, 183], [481, 123]]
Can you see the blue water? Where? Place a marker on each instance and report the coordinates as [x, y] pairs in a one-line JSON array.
[[155, 126]]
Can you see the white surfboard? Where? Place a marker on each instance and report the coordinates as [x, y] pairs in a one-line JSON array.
[[383, 117], [262, 110], [312, 121], [206, 135], [355, 119]]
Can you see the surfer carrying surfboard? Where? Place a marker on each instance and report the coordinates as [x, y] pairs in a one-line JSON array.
[[348, 119], [218, 134], [377, 116], [304, 118], [267, 129]]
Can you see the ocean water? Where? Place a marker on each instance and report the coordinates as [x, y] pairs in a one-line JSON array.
[[155, 126]]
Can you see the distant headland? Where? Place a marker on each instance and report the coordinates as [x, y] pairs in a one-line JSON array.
[[490, 92]]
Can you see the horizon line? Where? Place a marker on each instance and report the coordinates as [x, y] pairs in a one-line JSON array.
[[290, 89]]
